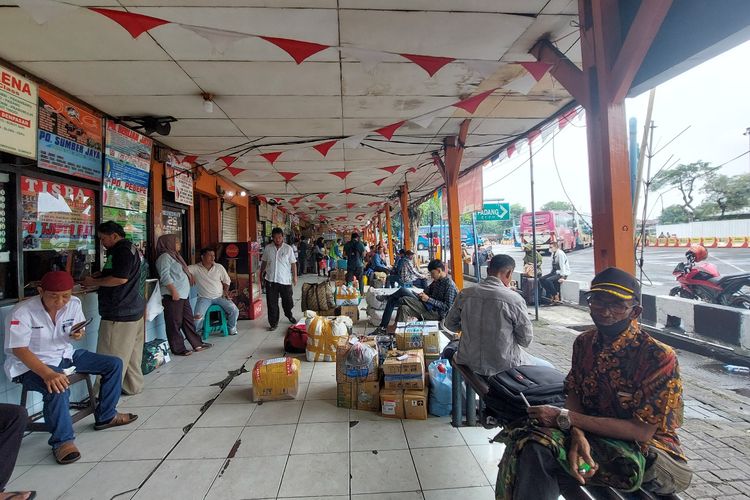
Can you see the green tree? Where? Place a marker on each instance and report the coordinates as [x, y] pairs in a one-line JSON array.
[[673, 214], [557, 205], [706, 210], [684, 178], [727, 193]]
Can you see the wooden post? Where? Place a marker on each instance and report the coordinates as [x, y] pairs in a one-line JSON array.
[[405, 226], [388, 230]]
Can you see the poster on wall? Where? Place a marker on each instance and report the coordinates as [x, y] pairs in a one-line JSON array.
[[132, 221], [179, 180], [18, 112], [126, 168], [70, 137], [56, 216]]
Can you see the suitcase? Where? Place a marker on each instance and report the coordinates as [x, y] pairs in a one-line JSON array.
[[527, 290], [541, 385], [295, 339]]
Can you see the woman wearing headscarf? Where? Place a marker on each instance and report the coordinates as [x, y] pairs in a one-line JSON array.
[[175, 281]]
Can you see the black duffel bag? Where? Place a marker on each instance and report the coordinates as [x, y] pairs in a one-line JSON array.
[[541, 385]]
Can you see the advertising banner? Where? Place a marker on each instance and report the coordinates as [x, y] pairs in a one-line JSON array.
[[179, 180], [126, 168], [56, 216], [18, 112], [133, 221], [70, 137]]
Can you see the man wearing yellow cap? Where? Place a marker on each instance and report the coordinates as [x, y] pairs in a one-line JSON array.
[[623, 385], [38, 332]]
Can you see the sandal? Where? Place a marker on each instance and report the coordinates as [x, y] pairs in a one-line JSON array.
[[67, 453], [19, 495], [118, 420], [203, 346]]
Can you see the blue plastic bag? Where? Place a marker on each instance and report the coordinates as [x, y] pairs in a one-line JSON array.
[[441, 388]]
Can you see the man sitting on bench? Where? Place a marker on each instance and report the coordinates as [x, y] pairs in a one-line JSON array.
[[37, 350], [623, 385]]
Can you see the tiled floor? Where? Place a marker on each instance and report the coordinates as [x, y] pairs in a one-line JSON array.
[[306, 448]]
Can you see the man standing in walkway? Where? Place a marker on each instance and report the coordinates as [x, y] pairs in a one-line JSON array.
[[559, 273], [303, 250], [37, 350], [121, 304], [431, 304], [354, 251], [212, 282], [278, 264], [493, 321]]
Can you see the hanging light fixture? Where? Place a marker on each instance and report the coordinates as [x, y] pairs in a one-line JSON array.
[[208, 102]]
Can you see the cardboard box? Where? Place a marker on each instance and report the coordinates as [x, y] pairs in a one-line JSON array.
[[351, 311], [338, 275], [394, 382], [412, 363], [344, 392], [342, 349], [429, 358], [415, 404], [392, 403], [423, 335], [358, 395]]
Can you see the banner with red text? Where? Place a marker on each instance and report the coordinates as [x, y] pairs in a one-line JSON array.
[[18, 111]]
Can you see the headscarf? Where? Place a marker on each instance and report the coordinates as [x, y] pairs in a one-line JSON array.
[[167, 243]]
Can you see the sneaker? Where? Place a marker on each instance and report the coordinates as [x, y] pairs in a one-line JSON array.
[[292, 319], [378, 331], [233, 331]]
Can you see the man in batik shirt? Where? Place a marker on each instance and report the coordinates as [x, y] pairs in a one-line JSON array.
[[624, 385]]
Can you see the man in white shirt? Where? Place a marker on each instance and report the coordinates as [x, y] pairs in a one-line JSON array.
[[212, 283], [37, 350], [278, 264], [560, 272]]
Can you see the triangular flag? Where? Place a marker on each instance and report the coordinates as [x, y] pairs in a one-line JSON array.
[[511, 149], [272, 157], [424, 121], [135, 24], [296, 200], [341, 174], [413, 170], [566, 118], [389, 130], [471, 104], [379, 181], [43, 11], [322, 195], [390, 169], [288, 176], [522, 84], [374, 203], [367, 58], [537, 69], [220, 40], [234, 170], [347, 190], [350, 205], [322, 205], [355, 141], [547, 131], [228, 160], [431, 64], [324, 147], [190, 159], [533, 135], [298, 49]]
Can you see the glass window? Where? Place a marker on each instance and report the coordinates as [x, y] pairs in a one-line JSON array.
[[58, 229], [8, 257]]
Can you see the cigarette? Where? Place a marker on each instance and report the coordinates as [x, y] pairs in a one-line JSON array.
[[526, 401]]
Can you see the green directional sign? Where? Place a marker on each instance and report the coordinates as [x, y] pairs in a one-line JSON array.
[[494, 211]]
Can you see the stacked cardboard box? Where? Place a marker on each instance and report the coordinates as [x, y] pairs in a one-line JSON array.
[[362, 392], [351, 311], [423, 335], [404, 393]]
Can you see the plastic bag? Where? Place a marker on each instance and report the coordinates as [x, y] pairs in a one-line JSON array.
[[441, 387], [154, 306], [360, 361]]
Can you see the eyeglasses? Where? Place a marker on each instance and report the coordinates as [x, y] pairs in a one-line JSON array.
[[614, 307]]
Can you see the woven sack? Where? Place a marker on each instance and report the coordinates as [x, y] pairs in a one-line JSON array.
[[317, 297]]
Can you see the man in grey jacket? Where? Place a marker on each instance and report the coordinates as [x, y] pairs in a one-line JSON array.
[[494, 323]]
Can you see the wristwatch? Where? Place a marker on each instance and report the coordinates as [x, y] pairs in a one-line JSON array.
[[563, 420]]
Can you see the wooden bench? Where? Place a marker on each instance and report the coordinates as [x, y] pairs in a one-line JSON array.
[[476, 385], [85, 408]]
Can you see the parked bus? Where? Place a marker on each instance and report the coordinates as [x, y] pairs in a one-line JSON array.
[[563, 227], [467, 235]]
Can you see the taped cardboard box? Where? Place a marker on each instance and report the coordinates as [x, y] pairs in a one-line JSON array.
[[342, 349], [423, 335], [429, 358], [404, 363], [409, 381], [276, 379], [392, 403], [415, 404], [351, 312], [358, 395]]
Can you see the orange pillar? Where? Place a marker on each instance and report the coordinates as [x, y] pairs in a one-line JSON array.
[[391, 255], [405, 226], [380, 229], [454, 151]]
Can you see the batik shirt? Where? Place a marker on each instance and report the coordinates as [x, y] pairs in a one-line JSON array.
[[632, 376]]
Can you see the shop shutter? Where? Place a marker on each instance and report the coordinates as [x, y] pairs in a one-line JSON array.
[[229, 222]]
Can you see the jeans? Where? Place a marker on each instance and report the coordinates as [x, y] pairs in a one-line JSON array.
[[13, 419], [274, 290], [394, 299], [56, 406], [551, 283], [202, 305], [392, 280]]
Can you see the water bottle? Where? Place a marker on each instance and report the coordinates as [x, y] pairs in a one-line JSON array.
[[737, 369]]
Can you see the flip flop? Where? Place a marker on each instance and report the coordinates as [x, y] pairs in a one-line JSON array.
[[118, 420], [203, 347], [66, 453], [183, 353], [20, 494]]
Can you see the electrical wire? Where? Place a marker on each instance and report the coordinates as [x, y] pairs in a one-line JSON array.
[[559, 177]]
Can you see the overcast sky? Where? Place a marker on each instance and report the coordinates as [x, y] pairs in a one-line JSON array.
[[713, 98]]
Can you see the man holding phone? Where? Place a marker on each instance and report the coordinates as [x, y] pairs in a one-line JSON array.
[[38, 351]]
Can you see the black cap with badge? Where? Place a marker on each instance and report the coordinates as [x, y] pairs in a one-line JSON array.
[[616, 282]]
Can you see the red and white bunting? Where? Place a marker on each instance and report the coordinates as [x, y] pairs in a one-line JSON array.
[[389, 130], [379, 181], [288, 176], [392, 169], [228, 160], [43, 11], [235, 171], [298, 49], [135, 24], [341, 174], [272, 157], [324, 147], [347, 190], [511, 149], [322, 195], [220, 40], [431, 64], [522, 84], [537, 69], [471, 104]]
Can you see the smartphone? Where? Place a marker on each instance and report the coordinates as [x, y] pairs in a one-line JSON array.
[[80, 325], [526, 401]]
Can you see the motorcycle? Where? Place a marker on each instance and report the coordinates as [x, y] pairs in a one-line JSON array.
[[700, 280]]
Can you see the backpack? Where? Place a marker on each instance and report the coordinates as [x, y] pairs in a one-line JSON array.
[[295, 340], [352, 251], [541, 385]]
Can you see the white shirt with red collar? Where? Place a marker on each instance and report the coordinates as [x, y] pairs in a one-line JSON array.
[[29, 325]]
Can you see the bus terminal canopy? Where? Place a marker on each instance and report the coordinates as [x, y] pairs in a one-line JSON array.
[[329, 107]]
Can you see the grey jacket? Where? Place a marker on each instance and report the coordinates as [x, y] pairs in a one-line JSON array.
[[494, 325]]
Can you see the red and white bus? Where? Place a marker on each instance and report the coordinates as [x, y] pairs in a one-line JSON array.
[[560, 226]]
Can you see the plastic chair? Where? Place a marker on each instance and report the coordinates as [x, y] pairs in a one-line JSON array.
[[215, 321]]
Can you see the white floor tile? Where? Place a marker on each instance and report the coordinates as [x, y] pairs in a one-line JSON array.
[[171, 380], [208, 378], [234, 394], [323, 411], [193, 395], [322, 475], [94, 446], [488, 456], [329, 437], [453, 467], [324, 373], [478, 493], [226, 415], [149, 397], [18, 471], [107, 479], [207, 442], [390, 470], [34, 449], [257, 477], [383, 434], [359, 415], [407, 495], [321, 391], [276, 412], [144, 444], [431, 432], [477, 435], [183, 479], [172, 417], [50, 481], [266, 440]]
